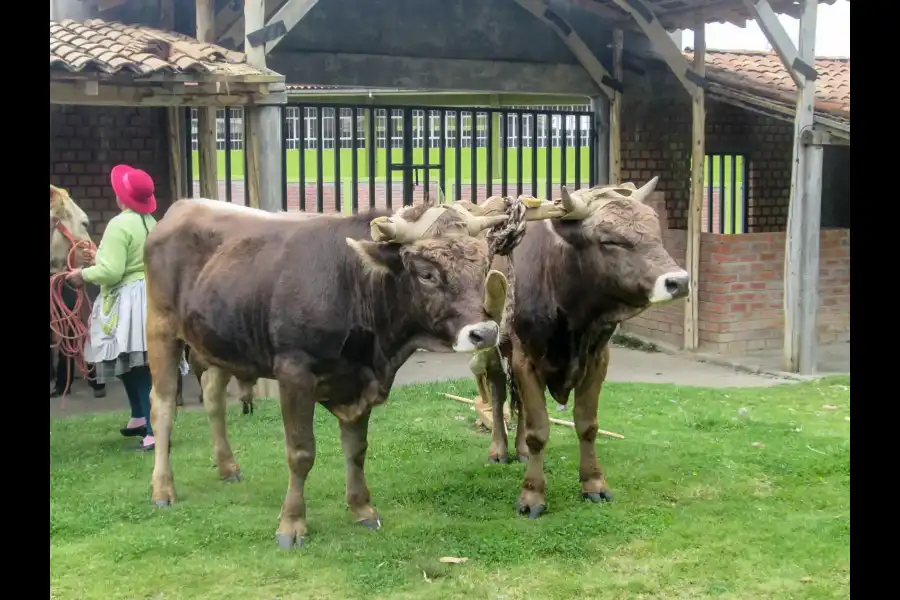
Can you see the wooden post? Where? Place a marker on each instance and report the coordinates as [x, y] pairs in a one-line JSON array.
[[801, 269], [695, 211], [494, 147], [600, 106], [262, 135], [206, 116], [262, 125], [615, 113], [176, 155]]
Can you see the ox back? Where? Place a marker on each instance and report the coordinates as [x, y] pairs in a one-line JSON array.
[[248, 290]]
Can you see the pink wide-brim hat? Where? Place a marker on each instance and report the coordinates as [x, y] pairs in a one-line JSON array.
[[134, 188]]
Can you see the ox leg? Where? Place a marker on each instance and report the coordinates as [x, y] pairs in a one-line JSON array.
[[593, 481], [163, 354], [487, 367], [298, 407], [355, 441], [216, 380], [532, 501], [521, 446]]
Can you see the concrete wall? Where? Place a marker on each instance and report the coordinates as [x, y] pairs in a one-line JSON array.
[[87, 142]]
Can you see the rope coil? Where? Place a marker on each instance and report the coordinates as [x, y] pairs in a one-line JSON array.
[[70, 325]]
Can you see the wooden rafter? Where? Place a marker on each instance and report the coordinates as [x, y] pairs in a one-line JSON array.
[[576, 45]]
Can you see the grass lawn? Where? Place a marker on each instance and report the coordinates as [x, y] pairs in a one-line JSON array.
[[708, 504]]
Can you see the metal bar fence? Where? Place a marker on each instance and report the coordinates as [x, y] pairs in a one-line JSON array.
[[477, 151]]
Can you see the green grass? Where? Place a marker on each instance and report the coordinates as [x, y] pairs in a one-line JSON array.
[[699, 510], [311, 158]]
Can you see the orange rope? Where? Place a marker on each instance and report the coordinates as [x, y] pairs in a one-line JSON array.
[[70, 325]]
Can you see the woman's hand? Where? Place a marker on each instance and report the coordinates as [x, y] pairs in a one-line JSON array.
[[88, 255], [74, 277]]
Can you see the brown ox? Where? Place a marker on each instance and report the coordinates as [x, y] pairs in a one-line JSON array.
[[576, 280], [309, 303]]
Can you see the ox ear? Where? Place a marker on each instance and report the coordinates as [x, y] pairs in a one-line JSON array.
[[495, 287], [378, 257]]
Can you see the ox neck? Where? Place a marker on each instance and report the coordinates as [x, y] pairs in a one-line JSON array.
[[377, 310]]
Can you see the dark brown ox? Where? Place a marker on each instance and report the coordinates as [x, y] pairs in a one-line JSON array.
[[575, 281], [311, 304]]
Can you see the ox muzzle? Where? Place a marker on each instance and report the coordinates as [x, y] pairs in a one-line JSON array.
[[670, 286], [479, 336]]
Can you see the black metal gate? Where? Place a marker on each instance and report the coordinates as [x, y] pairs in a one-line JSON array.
[[346, 158]]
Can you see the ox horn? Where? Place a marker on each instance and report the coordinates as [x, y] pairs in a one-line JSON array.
[[475, 225], [382, 229], [641, 194]]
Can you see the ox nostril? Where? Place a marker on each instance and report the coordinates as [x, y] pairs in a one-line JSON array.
[[476, 338], [677, 285]]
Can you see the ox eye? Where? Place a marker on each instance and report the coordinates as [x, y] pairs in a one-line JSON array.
[[427, 277]]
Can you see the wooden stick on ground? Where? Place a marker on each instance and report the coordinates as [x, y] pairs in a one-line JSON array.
[[611, 434]]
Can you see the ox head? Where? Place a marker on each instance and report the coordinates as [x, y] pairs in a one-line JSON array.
[[440, 260], [64, 211], [622, 235]]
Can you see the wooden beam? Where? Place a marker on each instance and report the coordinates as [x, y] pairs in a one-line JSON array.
[[781, 41], [662, 43], [284, 20], [576, 45], [230, 26], [600, 106], [206, 116], [695, 210], [801, 269], [68, 92], [262, 132], [615, 112], [491, 76], [174, 121]]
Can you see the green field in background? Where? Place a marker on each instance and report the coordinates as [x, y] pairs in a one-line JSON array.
[[733, 214], [346, 160]]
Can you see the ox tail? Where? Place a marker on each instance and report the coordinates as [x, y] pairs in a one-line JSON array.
[[513, 390]]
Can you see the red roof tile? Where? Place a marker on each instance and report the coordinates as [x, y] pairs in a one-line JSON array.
[[763, 70]]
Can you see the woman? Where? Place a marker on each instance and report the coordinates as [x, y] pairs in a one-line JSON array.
[[118, 340]]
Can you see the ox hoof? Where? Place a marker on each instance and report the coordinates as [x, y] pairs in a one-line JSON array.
[[597, 496], [373, 524], [523, 458], [495, 460], [289, 542], [162, 503], [533, 512], [233, 478], [247, 408]]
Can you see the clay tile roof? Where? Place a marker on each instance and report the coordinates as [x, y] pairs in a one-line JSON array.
[[108, 47], [757, 70]]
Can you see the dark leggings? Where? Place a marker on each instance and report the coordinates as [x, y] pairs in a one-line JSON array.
[[137, 384]]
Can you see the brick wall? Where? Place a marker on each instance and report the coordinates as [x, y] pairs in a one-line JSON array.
[[742, 290], [741, 284], [663, 323], [656, 140], [86, 142]]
